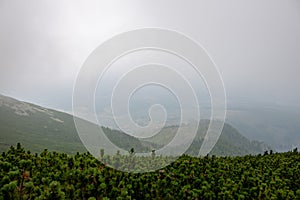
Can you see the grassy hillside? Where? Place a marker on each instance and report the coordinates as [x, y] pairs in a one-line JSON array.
[[39, 128]]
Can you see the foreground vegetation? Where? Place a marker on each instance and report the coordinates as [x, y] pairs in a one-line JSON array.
[[52, 175]]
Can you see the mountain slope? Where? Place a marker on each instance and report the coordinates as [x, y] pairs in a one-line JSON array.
[[38, 128]]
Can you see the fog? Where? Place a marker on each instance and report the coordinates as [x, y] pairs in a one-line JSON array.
[[254, 44]]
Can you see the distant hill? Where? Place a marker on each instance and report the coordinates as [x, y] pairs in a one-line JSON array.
[[230, 143], [38, 128]]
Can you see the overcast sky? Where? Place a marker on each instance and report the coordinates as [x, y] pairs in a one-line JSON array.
[[255, 44]]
